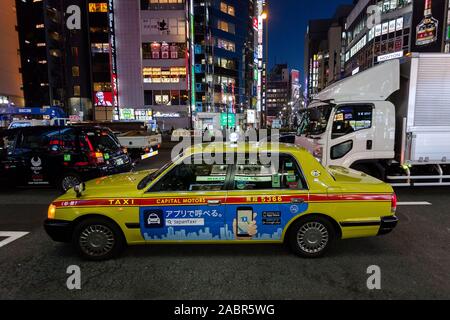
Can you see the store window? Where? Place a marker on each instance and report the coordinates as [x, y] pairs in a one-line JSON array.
[[227, 45], [225, 26], [165, 97], [76, 91], [98, 7], [162, 4], [163, 50], [226, 8], [163, 75], [75, 71], [164, 26], [100, 47]]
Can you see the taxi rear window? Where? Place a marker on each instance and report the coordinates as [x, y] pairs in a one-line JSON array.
[[103, 140], [282, 173]]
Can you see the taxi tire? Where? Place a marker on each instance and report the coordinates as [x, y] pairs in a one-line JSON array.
[[297, 225], [119, 240]]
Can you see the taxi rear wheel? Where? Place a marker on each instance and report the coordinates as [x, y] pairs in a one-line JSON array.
[[98, 239], [310, 237]]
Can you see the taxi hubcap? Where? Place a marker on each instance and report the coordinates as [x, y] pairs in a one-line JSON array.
[[96, 240], [312, 237]]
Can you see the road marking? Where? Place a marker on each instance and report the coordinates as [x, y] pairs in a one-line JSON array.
[[10, 236], [416, 203]]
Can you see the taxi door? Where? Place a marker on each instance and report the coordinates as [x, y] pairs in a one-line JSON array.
[[186, 204], [264, 197]]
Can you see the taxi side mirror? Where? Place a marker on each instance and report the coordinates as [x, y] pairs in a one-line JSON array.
[[79, 188]]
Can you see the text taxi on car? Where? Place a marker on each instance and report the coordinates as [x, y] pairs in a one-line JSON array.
[[258, 193]]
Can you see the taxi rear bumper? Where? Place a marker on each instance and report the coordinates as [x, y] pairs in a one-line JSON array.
[[59, 230], [387, 224]]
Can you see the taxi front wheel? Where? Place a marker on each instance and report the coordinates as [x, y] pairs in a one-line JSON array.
[[98, 239], [311, 236]]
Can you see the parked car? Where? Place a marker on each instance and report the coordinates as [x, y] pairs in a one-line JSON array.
[[59, 156]]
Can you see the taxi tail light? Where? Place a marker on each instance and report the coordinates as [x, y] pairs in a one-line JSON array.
[[393, 203], [94, 157]]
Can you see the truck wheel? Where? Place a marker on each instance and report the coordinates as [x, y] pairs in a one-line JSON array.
[[98, 239], [68, 180], [311, 236]]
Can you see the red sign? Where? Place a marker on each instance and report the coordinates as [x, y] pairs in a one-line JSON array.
[[103, 99]]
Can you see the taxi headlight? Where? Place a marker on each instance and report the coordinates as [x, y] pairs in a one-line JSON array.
[[51, 211]]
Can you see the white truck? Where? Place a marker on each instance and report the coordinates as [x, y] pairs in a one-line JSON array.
[[391, 121], [140, 143]]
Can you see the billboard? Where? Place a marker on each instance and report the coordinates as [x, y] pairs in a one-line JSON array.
[[427, 25], [103, 99], [295, 85]]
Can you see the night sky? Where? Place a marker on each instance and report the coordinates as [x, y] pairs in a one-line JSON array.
[[287, 27]]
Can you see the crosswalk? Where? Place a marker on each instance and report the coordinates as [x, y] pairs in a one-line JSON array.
[[10, 236]]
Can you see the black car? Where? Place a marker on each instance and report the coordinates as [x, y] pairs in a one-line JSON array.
[[59, 156]]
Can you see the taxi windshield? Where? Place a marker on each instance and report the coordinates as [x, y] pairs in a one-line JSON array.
[[153, 175]]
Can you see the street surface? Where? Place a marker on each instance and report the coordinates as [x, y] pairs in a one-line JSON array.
[[414, 260]]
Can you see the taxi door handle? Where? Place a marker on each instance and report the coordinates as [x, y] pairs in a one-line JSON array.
[[214, 202], [297, 200]]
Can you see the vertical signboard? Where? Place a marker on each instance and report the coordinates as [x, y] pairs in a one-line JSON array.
[[428, 25], [113, 63]]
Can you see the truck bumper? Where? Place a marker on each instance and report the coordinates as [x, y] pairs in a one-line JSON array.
[[59, 230], [387, 224]]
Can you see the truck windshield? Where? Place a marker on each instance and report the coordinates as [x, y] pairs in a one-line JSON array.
[[313, 121]]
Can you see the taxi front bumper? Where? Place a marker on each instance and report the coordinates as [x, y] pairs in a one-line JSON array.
[[59, 230]]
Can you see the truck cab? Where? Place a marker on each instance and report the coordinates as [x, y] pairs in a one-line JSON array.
[[390, 121], [351, 124]]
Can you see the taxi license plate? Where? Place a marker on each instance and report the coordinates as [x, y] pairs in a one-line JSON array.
[[119, 162]]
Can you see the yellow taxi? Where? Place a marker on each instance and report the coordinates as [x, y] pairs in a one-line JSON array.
[[224, 193]]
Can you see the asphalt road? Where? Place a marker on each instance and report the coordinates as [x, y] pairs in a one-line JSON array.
[[414, 260]]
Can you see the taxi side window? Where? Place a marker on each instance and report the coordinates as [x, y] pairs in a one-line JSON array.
[[45, 140], [7, 142], [194, 177], [255, 175]]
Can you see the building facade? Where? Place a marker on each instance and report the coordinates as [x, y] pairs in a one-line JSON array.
[[223, 59], [10, 67], [325, 51], [403, 26], [67, 51], [278, 92]]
